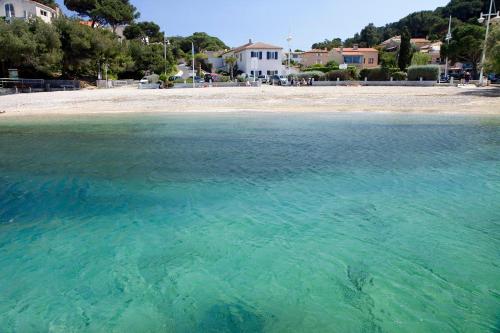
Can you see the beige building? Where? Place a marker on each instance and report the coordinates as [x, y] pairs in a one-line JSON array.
[[26, 9], [434, 50], [352, 56], [361, 57], [393, 43], [315, 57]]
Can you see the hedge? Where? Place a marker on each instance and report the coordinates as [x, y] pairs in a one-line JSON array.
[[342, 74], [320, 69], [399, 76], [317, 75], [375, 74], [427, 72]]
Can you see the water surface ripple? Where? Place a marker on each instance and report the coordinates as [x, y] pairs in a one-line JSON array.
[[250, 223]]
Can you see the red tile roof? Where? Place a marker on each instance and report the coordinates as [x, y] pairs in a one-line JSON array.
[[317, 51], [253, 46]]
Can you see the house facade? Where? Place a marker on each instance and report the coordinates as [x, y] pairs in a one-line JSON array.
[[393, 43], [352, 56], [295, 56], [26, 9], [361, 57], [315, 57], [434, 51], [258, 58]]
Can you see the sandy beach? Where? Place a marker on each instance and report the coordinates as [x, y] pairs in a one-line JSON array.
[[463, 100]]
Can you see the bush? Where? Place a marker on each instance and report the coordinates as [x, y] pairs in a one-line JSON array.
[[342, 74], [224, 78], [375, 74], [427, 72], [242, 78], [322, 69], [163, 78], [399, 76], [317, 75]]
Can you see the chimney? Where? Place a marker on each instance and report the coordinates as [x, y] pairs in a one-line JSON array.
[[355, 47], [250, 41]]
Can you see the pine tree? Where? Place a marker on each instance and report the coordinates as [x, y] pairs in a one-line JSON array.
[[404, 58]]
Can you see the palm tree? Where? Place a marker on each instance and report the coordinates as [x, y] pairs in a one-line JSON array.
[[231, 61]]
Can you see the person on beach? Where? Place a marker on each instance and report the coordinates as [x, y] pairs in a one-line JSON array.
[[467, 77]]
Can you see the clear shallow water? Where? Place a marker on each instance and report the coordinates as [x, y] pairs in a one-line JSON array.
[[250, 223]]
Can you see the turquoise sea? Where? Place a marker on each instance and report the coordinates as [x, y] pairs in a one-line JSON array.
[[245, 222]]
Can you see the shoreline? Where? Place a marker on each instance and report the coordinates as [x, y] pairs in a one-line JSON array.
[[266, 99]]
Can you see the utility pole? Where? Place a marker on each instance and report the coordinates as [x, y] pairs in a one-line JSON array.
[[289, 39], [481, 20], [165, 51], [192, 53], [448, 39]]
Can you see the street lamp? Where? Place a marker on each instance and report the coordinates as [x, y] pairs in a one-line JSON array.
[[481, 20], [448, 39], [166, 43], [289, 39], [192, 53]]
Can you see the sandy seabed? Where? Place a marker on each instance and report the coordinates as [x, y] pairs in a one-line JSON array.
[[462, 100]]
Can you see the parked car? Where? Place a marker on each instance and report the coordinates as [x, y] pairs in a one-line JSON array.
[[444, 78], [493, 78], [279, 80], [263, 78], [210, 78]]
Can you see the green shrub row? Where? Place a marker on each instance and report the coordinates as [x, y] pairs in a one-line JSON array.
[[323, 69], [426, 72], [382, 74]]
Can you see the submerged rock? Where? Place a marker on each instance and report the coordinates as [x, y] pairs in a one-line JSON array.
[[224, 318]]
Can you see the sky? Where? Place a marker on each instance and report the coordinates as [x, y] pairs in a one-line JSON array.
[[271, 21]]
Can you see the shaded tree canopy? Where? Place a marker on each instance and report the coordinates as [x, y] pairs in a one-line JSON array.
[[405, 54], [201, 40], [112, 12], [143, 29], [432, 24], [328, 44], [466, 45]]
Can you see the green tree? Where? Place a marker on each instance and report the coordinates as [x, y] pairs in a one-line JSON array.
[[84, 8], [466, 45], [142, 30], [231, 62], [328, 44], [493, 51], [464, 10], [370, 35], [420, 58], [421, 24], [32, 47], [404, 57], [114, 12], [388, 60], [85, 48]]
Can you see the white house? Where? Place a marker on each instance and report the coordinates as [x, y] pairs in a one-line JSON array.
[[25, 9], [258, 58]]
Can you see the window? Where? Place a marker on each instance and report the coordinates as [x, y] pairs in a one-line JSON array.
[[353, 59], [371, 61], [43, 12], [272, 55], [255, 54], [9, 10]]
